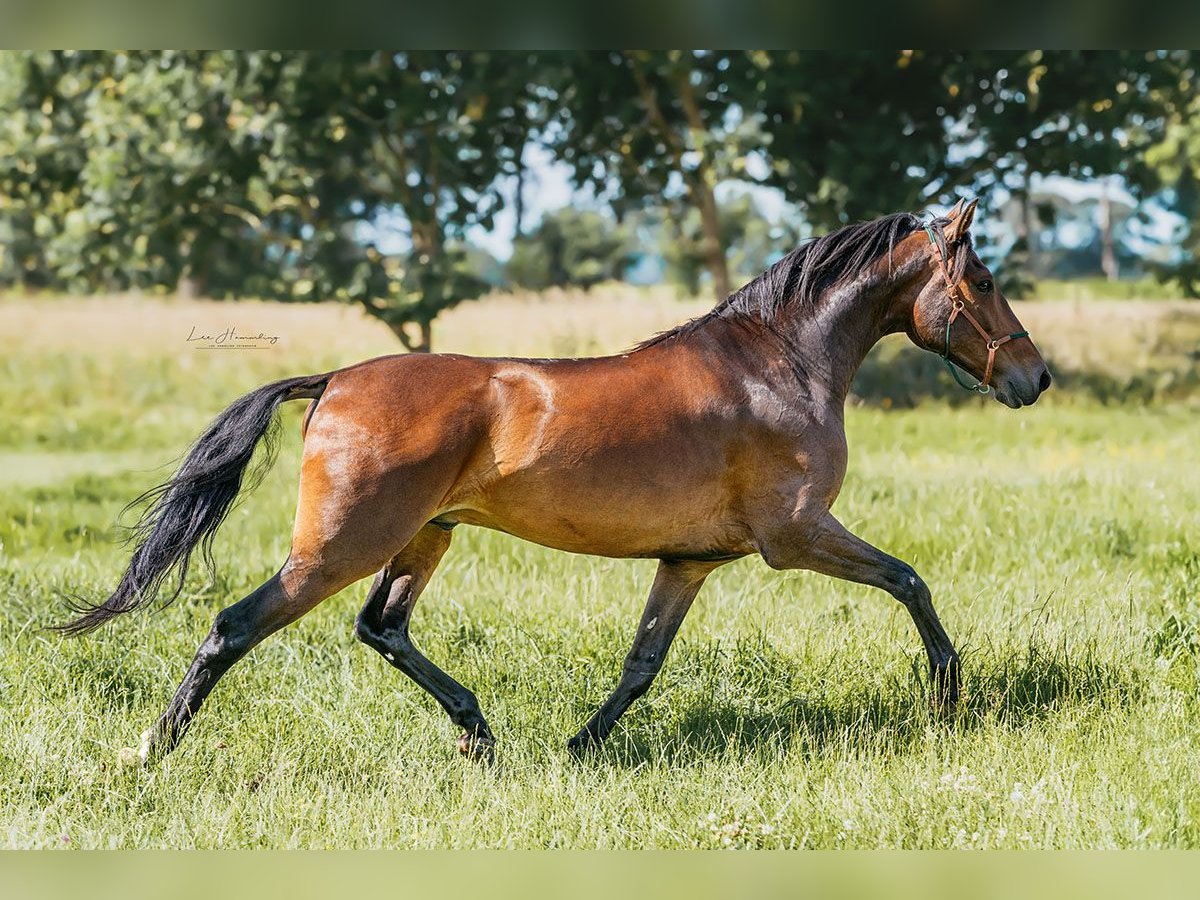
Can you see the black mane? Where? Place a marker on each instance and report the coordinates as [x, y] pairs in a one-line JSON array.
[[815, 267]]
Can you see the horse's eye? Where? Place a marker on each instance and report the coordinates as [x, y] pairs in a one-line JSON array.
[[984, 287]]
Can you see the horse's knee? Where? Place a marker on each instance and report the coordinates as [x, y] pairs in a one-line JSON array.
[[907, 586], [388, 643]]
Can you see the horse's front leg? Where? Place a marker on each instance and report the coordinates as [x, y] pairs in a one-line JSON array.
[[675, 587], [827, 547]]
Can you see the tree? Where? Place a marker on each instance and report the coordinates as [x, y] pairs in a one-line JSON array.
[[857, 134], [753, 242], [852, 134], [261, 173], [282, 174], [848, 135], [570, 248], [648, 128], [439, 129], [1175, 160]]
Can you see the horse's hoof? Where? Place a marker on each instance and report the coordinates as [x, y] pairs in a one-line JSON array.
[[581, 745], [477, 748], [139, 758], [945, 706]]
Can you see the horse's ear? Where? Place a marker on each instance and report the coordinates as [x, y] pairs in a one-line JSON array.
[[960, 221]]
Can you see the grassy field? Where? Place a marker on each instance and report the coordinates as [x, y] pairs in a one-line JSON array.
[[1062, 544]]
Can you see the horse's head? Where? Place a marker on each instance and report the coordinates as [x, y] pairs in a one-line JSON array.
[[962, 315]]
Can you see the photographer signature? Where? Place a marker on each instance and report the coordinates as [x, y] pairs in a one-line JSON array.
[[231, 339]]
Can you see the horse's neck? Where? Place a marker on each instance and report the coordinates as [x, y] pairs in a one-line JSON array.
[[832, 340]]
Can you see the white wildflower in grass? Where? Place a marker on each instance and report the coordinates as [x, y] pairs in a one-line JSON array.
[[960, 781], [736, 831]]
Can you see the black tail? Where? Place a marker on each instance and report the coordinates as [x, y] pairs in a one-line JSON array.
[[186, 512]]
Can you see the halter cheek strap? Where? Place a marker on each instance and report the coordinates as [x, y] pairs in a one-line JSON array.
[[958, 306]]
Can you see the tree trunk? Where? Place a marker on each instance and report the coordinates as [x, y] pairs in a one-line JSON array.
[[698, 181], [703, 195], [1021, 228], [714, 251], [192, 283], [188, 287], [519, 198], [1108, 252], [1033, 258], [422, 343]]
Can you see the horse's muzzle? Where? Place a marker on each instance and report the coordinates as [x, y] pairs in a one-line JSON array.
[[1014, 395]]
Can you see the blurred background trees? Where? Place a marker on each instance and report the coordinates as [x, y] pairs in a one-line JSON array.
[[257, 174], [409, 182], [570, 248], [750, 242], [1176, 161]]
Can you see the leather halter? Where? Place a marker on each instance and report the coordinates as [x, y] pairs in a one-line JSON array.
[[958, 306]]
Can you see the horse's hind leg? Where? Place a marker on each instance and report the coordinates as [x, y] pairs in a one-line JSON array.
[[675, 587], [282, 599], [383, 625]]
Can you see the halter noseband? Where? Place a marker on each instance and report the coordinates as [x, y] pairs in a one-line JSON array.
[[959, 306]]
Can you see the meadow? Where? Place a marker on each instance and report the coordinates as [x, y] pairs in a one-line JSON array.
[[1061, 543]]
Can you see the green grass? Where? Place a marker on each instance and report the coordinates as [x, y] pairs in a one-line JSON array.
[[1061, 543], [1097, 288]]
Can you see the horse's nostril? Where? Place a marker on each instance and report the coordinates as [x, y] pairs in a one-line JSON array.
[[1044, 383]]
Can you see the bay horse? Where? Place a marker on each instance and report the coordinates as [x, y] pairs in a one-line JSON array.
[[719, 439]]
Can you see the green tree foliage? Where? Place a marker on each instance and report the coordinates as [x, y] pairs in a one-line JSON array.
[[570, 248], [1082, 114], [273, 173], [257, 173], [648, 128], [753, 242], [1176, 161], [848, 135], [857, 134]]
